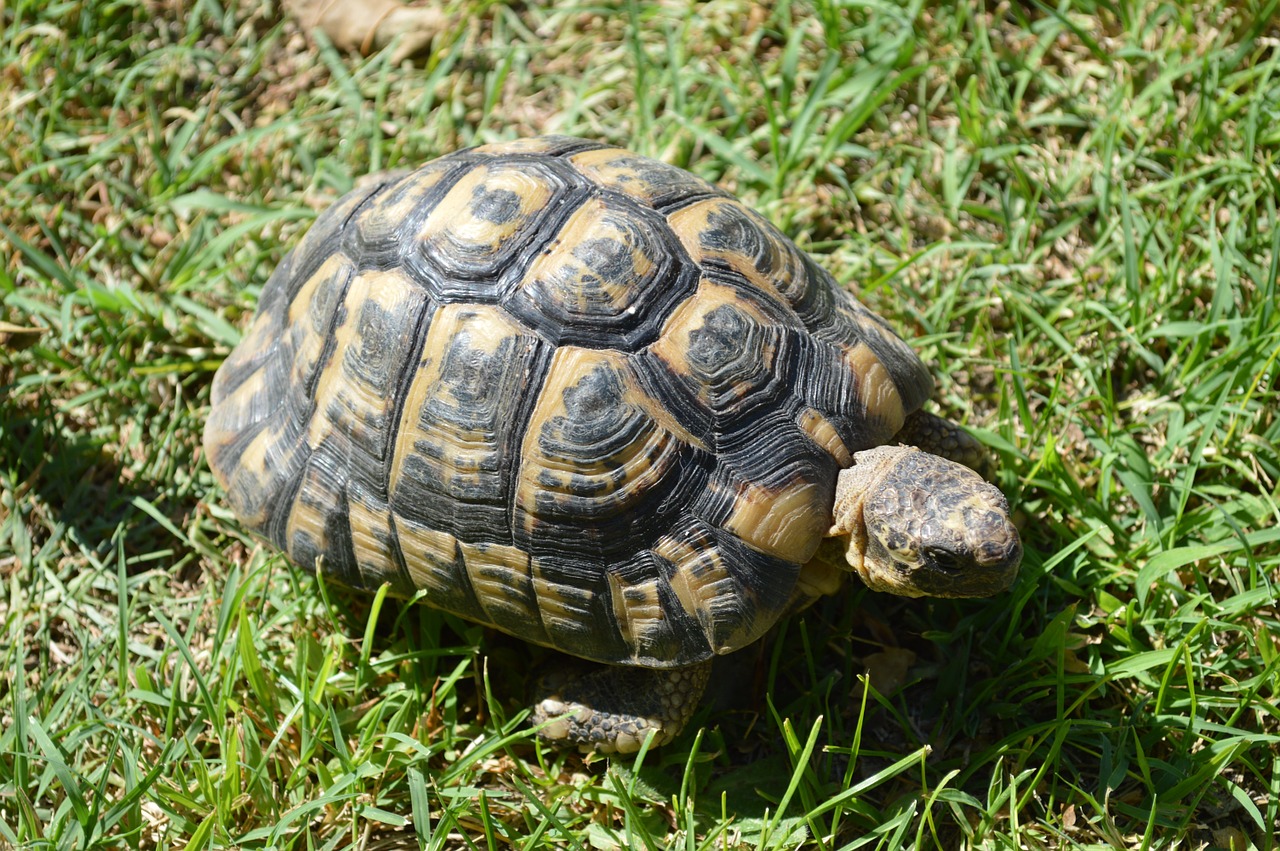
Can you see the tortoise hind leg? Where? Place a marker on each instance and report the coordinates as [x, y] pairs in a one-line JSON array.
[[940, 437], [612, 709]]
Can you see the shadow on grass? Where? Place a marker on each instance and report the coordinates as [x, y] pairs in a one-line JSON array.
[[69, 484]]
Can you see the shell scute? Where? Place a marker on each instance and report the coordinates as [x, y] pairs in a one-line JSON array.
[[501, 577], [465, 249], [339, 509], [864, 337], [652, 623], [726, 352], [317, 523], [733, 592], [322, 241], [355, 391], [380, 233], [435, 565], [263, 397], [457, 442], [771, 488], [598, 467], [375, 546], [651, 182], [606, 279], [724, 233], [573, 606]]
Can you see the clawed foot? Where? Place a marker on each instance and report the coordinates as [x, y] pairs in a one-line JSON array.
[[614, 709]]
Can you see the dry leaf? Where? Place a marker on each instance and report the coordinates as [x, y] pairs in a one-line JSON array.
[[1231, 838], [1073, 663], [18, 337], [887, 669], [365, 26]]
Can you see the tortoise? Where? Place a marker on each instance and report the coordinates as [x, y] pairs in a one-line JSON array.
[[591, 400]]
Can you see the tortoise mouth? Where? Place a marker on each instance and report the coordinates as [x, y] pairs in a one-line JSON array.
[[985, 575], [934, 574]]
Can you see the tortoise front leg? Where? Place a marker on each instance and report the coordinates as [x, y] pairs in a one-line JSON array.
[[941, 437], [612, 709]]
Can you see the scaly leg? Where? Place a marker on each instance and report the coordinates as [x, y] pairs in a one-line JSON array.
[[612, 709], [937, 436]]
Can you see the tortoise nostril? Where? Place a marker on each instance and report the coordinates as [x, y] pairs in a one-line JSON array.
[[998, 553]]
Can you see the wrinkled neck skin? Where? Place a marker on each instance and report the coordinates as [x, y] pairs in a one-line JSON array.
[[852, 488]]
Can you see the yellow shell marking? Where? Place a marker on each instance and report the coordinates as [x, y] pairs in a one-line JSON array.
[[823, 433], [501, 578], [270, 456], [786, 523], [706, 590], [483, 210], [612, 167], [856, 313], [590, 394], [430, 557], [304, 336], [258, 462], [564, 609], [773, 264], [457, 409], [738, 366], [305, 534], [311, 312], [876, 387], [382, 221], [561, 277], [355, 390], [371, 537], [638, 610], [638, 177], [316, 242], [354, 396]]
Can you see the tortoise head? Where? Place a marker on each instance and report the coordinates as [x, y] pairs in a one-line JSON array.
[[921, 526]]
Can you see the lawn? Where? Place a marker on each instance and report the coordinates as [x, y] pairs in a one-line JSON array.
[[1071, 211]]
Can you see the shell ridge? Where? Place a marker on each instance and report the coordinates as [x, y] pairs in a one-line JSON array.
[[467, 250], [648, 616], [406, 585], [541, 235], [382, 244], [454, 450], [330, 232], [603, 275], [771, 302], [400, 391], [400, 396], [521, 420], [678, 203], [330, 338]]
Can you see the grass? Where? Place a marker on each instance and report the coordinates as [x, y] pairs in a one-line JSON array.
[[1072, 209]]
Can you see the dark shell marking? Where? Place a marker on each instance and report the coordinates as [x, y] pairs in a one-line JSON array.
[[569, 392]]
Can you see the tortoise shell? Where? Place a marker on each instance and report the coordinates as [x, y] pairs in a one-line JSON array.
[[575, 394]]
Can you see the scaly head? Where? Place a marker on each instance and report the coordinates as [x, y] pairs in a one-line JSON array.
[[921, 526]]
